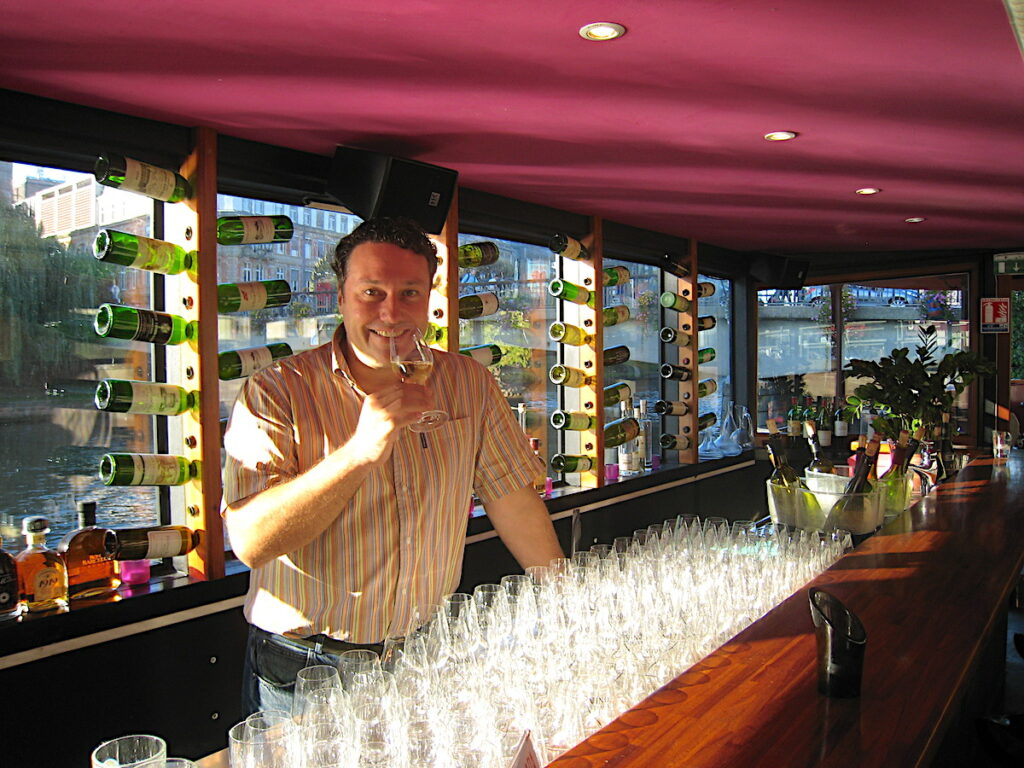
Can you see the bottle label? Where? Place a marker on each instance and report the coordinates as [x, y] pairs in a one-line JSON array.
[[47, 584], [163, 544], [148, 180], [155, 469], [251, 296], [485, 304], [795, 427], [617, 393], [163, 399], [615, 275], [841, 428], [153, 327], [573, 249], [253, 359], [616, 315], [257, 229]]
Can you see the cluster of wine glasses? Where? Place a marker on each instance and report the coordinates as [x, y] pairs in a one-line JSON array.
[[735, 435], [560, 651]]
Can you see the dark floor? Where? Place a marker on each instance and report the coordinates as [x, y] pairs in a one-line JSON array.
[[1013, 698]]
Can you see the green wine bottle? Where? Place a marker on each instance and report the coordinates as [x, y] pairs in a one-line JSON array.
[[249, 230], [670, 300], [565, 376], [706, 387], [140, 252], [572, 335], [675, 372], [485, 354], [706, 323], [619, 392], [621, 431], [673, 267], [565, 462], [704, 290], [615, 315], [566, 291], [675, 337], [575, 421], [671, 408], [135, 176], [616, 355], [614, 276], [478, 305], [122, 396], [706, 355], [568, 247], [706, 420], [146, 469], [675, 442], [245, 362], [118, 322], [245, 297], [478, 254]]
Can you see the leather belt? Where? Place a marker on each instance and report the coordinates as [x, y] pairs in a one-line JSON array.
[[325, 643]]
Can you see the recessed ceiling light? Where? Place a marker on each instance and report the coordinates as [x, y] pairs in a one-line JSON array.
[[602, 30], [915, 220], [780, 135], [868, 191]]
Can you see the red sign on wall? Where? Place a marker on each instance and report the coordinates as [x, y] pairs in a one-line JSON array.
[[995, 315]]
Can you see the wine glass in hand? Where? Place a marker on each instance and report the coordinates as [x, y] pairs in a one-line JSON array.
[[414, 367]]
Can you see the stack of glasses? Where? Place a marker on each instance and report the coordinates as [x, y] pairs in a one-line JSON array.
[[560, 651]]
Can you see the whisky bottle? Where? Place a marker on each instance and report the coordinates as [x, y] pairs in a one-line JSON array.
[[706, 387], [150, 397], [10, 600], [619, 392], [704, 290], [564, 462], [565, 376], [568, 247], [150, 543], [706, 355], [478, 305], [135, 176], [249, 230], [118, 322], [676, 442], [706, 420], [42, 576], [245, 297], [244, 362], [677, 338], [614, 276], [616, 355], [91, 571], [478, 254], [572, 335], [566, 291], [706, 322], [574, 421], [671, 408], [146, 469], [621, 431], [615, 315], [675, 372], [140, 252], [670, 300], [485, 354]]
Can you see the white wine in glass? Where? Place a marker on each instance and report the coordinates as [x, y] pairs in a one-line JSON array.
[[414, 367]]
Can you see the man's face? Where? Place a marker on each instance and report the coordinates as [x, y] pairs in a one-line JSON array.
[[386, 292]]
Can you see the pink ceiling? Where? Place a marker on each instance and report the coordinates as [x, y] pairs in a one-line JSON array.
[[660, 129]]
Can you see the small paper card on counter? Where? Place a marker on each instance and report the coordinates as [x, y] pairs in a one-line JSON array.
[[526, 755]]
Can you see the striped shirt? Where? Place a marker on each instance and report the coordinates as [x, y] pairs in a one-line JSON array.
[[395, 549]]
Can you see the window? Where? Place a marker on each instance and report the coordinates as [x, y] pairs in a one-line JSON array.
[[719, 338]]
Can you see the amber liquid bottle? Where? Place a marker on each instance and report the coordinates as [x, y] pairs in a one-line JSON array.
[[91, 571], [42, 577]]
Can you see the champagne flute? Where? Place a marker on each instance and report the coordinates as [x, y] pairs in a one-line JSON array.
[[414, 367]]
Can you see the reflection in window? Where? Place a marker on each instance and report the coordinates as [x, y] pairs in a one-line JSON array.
[[719, 338]]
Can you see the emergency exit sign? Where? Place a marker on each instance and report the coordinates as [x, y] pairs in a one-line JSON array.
[[995, 315], [1009, 263]]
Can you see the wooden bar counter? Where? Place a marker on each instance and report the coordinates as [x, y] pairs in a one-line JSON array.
[[932, 590]]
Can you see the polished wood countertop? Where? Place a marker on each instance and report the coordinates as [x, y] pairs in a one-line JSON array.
[[929, 588]]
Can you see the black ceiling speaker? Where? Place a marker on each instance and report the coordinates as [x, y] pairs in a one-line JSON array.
[[778, 271], [371, 184]]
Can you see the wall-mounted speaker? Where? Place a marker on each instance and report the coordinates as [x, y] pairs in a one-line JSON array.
[[778, 271], [371, 184]]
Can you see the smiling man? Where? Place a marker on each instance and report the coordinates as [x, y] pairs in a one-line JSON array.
[[353, 525]]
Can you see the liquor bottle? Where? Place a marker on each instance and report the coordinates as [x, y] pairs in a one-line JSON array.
[[245, 297], [706, 355], [574, 421], [782, 474], [244, 362], [566, 291], [568, 247], [10, 600], [572, 335], [706, 387], [42, 576], [676, 442], [146, 469], [249, 230], [478, 305], [614, 276], [91, 571], [705, 290], [794, 418], [670, 300], [140, 252], [485, 354], [616, 355], [678, 338], [675, 372], [706, 322], [621, 431], [671, 408], [478, 254], [619, 392], [565, 462], [706, 420], [818, 463], [615, 315], [135, 176], [645, 440], [565, 376], [150, 543], [122, 396], [118, 322], [858, 483]]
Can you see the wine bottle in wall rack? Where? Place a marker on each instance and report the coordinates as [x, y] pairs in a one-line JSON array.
[[614, 276], [146, 469], [615, 315], [566, 291], [616, 355], [478, 305], [676, 442], [619, 392], [572, 421], [128, 250], [565, 376], [671, 408], [245, 362], [119, 322], [135, 176], [676, 337], [675, 268], [150, 397], [706, 420], [620, 431], [565, 462], [150, 543], [568, 247], [670, 300], [435, 334], [246, 297], [478, 254], [706, 387], [675, 372], [706, 355], [705, 290], [252, 230], [573, 335], [485, 354], [706, 322]]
